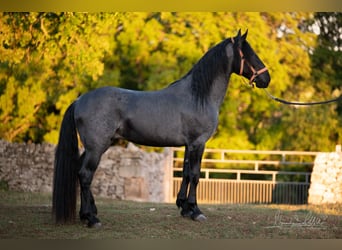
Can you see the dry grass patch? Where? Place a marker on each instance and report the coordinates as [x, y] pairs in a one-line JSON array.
[[28, 215]]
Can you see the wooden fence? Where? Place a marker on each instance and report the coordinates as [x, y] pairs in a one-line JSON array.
[[249, 176]]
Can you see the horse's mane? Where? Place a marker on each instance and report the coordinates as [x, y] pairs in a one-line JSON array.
[[214, 62]]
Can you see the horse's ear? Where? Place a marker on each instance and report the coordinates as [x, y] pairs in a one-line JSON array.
[[238, 36], [238, 39], [244, 36]]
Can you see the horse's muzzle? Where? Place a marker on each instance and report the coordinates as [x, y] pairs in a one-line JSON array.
[[262, 80]]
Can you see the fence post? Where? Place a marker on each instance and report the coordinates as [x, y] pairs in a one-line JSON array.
[[206, 174], [307, 178], [238, 175], [256, 166], [168, 174], [283, 157]]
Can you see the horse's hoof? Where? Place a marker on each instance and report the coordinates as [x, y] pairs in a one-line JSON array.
[[186, 213], [179, 203], [95, 225], [200, 218]]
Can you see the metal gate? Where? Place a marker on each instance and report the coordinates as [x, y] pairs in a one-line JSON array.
[[253, 184]]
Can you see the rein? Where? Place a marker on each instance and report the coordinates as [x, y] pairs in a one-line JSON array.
[[302, 103]]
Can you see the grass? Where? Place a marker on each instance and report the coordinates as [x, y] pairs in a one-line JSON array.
[[28, 215]]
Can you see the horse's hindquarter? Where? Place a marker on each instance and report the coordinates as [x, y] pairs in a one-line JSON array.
[[98, 114]]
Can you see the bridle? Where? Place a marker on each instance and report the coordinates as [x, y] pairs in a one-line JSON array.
[[254, 71]]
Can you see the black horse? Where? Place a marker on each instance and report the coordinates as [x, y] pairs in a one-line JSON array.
[[183, 114]]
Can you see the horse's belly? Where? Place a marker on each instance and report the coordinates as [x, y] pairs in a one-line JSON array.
[[154, 140], [157, 135]]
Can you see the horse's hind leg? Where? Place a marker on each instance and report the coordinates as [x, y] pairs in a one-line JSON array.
[[92, 201], [88, 210]]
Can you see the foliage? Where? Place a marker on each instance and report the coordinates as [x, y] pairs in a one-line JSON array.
[[319, 125], [48, 59]]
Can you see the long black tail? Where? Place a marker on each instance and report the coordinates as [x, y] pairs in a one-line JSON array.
[[65, 172]]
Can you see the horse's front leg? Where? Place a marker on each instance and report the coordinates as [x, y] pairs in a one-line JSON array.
[[195, 157], [182, 199]]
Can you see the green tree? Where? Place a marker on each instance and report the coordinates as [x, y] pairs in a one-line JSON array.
[[47, 61], [22, 74], [318, 127]]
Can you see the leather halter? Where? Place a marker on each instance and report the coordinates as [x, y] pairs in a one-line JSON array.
[[242, 63]]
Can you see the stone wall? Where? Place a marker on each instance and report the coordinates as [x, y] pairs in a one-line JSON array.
[[326, 179], [27, 167], [124, 173]]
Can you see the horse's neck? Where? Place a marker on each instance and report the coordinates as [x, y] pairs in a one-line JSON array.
[[218, 90]]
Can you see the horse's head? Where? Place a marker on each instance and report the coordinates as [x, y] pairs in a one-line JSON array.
[[247, 63]]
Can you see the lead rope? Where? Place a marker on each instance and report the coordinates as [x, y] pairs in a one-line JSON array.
[[294, 102], [302, 103]]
